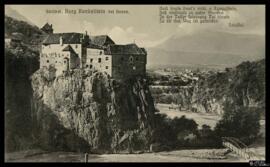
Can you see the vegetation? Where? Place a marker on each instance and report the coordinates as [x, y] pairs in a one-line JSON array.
[[181, 132], [239, 122], [18, 69], [32, 35]]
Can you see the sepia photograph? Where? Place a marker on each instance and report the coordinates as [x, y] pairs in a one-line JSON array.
[[135, 83]]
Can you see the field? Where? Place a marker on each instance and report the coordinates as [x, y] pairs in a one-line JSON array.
[[202, 155], [199, 118]]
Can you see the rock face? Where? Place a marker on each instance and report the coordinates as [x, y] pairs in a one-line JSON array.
[[241, 86], [20, 63], [85, 111]]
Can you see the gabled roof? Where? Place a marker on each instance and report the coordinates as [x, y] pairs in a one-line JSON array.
[[68, 48], [74, 38], [101, 40], [68, 38], [129, 49]]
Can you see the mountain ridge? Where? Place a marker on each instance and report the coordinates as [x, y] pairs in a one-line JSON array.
[[208, 47]]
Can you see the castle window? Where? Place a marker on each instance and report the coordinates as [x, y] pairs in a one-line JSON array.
[[91, 60], [107, 67], [107, 58], [48, 61], [76, 46], [91, 66], [65, 61], [100, 52], [55, 61], [99, 60], [87, 66]]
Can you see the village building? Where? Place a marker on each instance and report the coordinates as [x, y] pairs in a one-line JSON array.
[[67, 51]]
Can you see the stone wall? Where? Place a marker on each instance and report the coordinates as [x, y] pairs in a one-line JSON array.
[[125, 66]]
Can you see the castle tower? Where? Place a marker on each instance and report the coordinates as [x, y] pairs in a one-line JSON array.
[[47, 28]]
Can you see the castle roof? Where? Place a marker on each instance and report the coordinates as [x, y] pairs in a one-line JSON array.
[[129, 49], [68, 38], [101, 40], [47, 26], [75, 38], [69, 48]]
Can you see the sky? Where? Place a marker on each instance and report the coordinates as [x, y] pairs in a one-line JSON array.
[[141, 25]]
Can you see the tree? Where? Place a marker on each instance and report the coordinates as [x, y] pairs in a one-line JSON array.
[[239, 122]]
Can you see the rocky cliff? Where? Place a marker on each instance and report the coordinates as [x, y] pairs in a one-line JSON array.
[[20, 63], [243, 85], [81, 110]]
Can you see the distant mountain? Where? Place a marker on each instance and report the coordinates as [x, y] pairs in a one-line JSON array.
[[214, 48], [16, 15]]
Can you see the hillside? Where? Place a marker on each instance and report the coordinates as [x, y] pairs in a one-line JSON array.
[[32, 35]]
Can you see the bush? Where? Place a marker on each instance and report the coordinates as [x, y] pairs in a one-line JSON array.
[[174, 133]]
